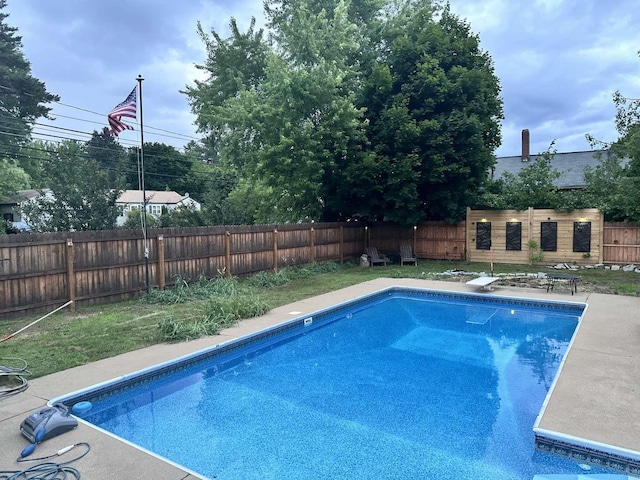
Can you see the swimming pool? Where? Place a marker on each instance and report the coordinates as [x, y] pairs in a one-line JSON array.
[[405, 383]]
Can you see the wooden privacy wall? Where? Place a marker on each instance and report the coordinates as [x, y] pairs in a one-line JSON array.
[[531, 229], [39, 272]]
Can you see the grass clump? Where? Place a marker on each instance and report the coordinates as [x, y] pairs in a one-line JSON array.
[[625, 289], [227, 300], [269, 279], [201, 289], [219, 312]]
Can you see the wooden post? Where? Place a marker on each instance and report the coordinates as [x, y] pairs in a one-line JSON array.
[[415, 238], [341, 244], [227, 254], [312, 246], [530, 236], [71, 276], [275, 250], [160, 272], [601, 239], [467, 236]]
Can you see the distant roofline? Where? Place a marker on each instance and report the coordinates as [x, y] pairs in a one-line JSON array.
[[607, 150]]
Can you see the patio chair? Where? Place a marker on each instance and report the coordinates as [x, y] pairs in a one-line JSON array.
[[407, 256], [376, 258]]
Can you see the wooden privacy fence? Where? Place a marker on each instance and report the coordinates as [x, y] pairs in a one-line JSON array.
[[432, 240], [41, 271], [621, 243]]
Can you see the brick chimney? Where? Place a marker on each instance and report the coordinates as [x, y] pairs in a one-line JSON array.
[[526, 143]]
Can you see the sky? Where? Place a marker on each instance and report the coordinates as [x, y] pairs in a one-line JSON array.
[[559, 62]]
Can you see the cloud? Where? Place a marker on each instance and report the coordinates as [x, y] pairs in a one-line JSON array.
[[558, 61]]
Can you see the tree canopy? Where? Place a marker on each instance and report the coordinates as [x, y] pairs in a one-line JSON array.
[[372, 109], [82, 195], [22, 96]]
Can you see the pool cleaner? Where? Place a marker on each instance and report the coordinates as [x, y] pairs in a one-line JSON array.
[[44, 424]]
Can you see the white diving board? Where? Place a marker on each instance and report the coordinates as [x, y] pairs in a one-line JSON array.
[[484, 282]]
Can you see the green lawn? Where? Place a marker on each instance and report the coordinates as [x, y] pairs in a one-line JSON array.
[[67, 339]]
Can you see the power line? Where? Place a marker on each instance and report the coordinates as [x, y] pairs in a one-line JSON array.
[[177, 135], [36, 131], [205, 175]]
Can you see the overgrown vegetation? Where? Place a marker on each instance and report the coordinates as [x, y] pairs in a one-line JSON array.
[[227, 300]]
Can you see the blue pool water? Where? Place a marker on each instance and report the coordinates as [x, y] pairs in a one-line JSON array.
[[405, 385]]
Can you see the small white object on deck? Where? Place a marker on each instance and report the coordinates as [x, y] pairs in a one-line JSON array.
[[484, 282]]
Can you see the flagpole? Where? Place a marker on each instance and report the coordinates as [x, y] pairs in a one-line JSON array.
[[144, 194]]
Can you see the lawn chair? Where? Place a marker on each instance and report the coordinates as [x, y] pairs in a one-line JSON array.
[[407, 256], [375, 258]]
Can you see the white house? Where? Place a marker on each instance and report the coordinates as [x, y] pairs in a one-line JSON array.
[[131, 200], [11, 209]]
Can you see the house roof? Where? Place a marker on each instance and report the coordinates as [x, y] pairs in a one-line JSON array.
[[153, 197], [570, 165], [22, 195]]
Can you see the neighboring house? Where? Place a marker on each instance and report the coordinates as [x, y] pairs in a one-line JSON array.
[[11, 208], [131, 200], [570, 165]]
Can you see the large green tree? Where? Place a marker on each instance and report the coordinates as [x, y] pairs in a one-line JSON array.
[[434, 109], [353, 109], [284, 129], [82, 196], [23, 97]]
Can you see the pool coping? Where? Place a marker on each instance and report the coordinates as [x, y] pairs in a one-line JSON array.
[[604, 345]]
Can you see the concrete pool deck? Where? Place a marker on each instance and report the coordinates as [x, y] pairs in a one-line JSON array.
[[595, 397]]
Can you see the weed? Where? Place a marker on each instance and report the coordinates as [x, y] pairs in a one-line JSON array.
[[537, 255], [625, 288]]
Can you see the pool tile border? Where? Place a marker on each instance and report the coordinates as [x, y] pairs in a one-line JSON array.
[[588, 455]]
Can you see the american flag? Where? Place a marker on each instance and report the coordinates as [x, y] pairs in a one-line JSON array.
[[124, 109]]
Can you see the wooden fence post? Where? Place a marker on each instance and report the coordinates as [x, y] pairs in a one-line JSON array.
[[227, 253], [601, 239], [415, 240], [71, 276], [312, 246], [530, 236], [275, 250], [341, 247], [160, 249]]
